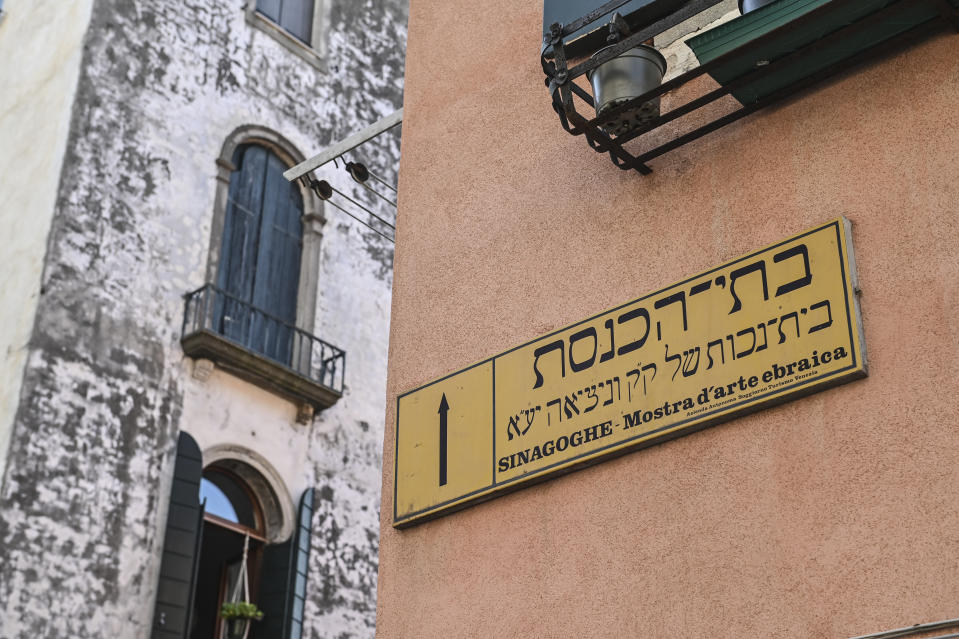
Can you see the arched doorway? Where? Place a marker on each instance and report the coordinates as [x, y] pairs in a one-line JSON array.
[[233, 519], [236, 497]]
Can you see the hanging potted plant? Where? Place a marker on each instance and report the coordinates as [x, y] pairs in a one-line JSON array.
[[238, 612], [238, 615]]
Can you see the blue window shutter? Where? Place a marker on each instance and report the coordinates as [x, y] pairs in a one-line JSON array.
[[241, 226], [283, 584], [181, 544], [259, 269], [238, 252], [278, 263], [277, 274]]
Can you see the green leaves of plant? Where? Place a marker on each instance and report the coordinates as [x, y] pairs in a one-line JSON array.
[[240, 610]]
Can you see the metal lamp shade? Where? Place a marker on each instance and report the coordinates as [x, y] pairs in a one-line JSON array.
[[745, 6], [627, 76]]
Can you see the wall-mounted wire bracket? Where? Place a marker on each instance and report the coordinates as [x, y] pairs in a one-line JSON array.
[[358, 172]]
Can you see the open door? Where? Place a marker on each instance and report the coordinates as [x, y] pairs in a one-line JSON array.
[[181, 543], [283, 587]]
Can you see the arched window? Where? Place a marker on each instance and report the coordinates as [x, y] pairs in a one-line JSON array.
[[256, 313], [233, 519], [230, 500], [214, 513], [259, 268]]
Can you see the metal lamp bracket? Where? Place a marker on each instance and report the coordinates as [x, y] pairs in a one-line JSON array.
[[659, 16]]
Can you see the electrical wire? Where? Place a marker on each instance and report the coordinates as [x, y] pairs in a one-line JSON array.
[[336, 190], [315, 186], [377, 194], [362, 222], [381, 181]]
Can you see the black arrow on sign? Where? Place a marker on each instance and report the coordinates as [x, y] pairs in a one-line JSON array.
[[444, 408]]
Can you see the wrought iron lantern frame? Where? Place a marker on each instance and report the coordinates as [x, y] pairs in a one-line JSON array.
[[662, 15]]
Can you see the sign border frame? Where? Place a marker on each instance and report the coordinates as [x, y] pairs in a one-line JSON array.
[[648, 439]]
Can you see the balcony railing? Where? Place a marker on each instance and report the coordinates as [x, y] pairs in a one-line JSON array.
[[261, 347]]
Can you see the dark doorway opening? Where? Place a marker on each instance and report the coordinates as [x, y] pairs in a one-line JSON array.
[[233, 516]]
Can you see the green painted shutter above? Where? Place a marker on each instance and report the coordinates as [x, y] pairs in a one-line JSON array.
[[565, 11], [181, 543]]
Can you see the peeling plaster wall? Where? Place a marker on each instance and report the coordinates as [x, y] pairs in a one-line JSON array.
[[40, 44], [106, 387]]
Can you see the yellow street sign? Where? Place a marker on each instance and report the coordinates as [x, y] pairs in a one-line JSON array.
[[769, 326], [447, 440]]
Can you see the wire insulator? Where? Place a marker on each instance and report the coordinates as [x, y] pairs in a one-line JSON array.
[[359, 172], [322, 188]]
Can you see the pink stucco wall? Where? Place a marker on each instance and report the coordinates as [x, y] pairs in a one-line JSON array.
[[829, 516]]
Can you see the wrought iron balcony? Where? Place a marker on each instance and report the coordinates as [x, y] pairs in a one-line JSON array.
[[261, 348]]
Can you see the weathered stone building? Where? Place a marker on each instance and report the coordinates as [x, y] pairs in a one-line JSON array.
[[142, 144]]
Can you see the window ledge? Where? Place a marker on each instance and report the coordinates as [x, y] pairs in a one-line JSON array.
[[258, 369], [259, 21]]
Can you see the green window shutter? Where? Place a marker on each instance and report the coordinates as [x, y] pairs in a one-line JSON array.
[[181, 544], [636, 13], [565, 11], [283, 585]]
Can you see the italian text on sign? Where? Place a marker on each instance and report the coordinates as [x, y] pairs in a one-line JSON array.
[[769, 326]]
